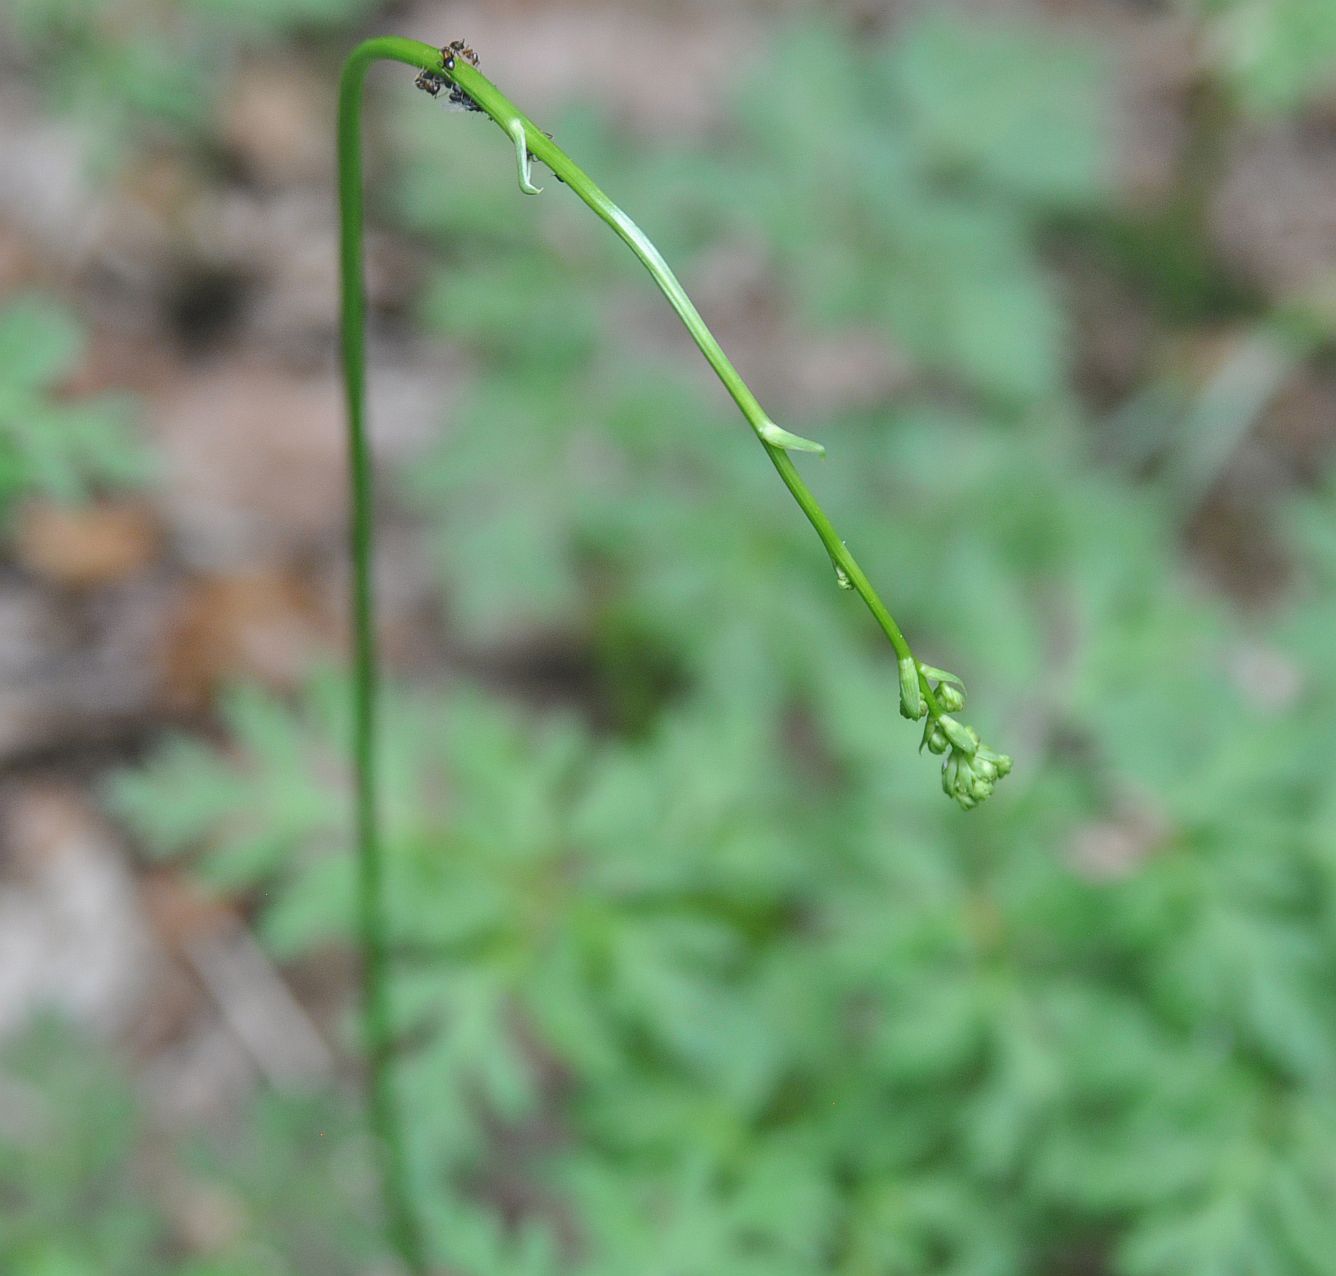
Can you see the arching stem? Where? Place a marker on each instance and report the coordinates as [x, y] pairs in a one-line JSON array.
[[918, 696]]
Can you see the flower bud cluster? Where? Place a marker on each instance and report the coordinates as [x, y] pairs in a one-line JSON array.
[[970, 769]]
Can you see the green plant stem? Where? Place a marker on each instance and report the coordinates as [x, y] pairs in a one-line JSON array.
[[386, 1116], [541, 147], [385, 1109]]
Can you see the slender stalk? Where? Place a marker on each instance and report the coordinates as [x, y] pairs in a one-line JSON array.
[[971, 769], [968, 773], [385, 1108], [543, 148]]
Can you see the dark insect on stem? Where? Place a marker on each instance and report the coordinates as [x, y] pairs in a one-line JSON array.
[[430, 82], [459, 98], [458, 47], [433, 82]]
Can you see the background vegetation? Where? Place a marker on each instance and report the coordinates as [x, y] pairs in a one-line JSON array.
[[699, 973]]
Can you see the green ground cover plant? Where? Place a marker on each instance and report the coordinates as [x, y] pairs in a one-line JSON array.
[[950, 1050], [51, 445]]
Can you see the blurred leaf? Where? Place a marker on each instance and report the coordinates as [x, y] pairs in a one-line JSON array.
[[49, 446], [1276, 53], [1012, 105]]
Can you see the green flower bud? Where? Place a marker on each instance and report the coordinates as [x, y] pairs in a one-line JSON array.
[[971, 783], [1000, 761], [950, 773], [942, 675], [911, 694], [950, 697], [964, 738]]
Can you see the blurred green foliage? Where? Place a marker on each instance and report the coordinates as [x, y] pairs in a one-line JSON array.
[[51, 445], [67, 1130], [140, 69], [288, 1192], [699, 975], [111, 66], [1275, 53]]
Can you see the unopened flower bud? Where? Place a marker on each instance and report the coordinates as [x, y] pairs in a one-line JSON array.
[[911, 694], [950, 697], [1000, 761], [964, 738]]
